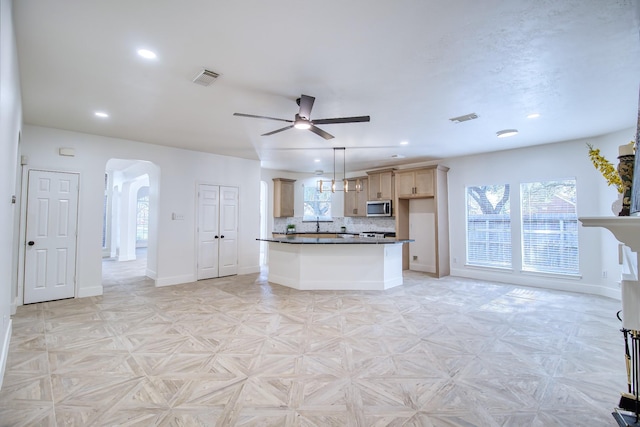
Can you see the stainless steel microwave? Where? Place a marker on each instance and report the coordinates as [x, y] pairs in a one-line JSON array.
[[379, 208]]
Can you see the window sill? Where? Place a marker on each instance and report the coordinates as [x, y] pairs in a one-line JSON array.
[[576, 276], [489, 268]]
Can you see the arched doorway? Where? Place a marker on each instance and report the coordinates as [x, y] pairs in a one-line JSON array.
[[130, 206]]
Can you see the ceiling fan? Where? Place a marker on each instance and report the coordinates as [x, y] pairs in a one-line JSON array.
[[303, 119]]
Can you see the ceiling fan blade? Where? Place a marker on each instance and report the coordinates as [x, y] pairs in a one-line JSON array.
[[320, 132], [342, 120], [277, 130], [306, 104], [262, 117]]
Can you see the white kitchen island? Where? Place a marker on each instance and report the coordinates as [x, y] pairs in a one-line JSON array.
[[308, 263]]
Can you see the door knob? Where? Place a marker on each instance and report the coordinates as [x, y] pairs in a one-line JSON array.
[[215, 237], [222, 237], [31, 243]]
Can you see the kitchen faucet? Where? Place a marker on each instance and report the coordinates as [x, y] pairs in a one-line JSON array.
[[317, 224]]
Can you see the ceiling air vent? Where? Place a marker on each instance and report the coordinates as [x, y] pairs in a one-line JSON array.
[[464, 118], [205, 77]]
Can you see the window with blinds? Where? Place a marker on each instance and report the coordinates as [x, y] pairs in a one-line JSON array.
[[549, 227], [489, 226], [142, 216], [317, 205]]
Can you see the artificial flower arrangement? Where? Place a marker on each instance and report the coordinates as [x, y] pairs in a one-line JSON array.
[[605, 167]]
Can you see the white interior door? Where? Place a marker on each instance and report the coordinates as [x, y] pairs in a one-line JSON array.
[[208, 236], [50, 252], [228, 257]]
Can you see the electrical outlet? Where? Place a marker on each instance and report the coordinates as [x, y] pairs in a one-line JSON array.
[[415, 257], [604, 274], [455, 260]]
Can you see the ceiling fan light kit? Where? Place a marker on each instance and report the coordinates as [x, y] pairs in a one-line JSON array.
[[301, 123], [302, 119]]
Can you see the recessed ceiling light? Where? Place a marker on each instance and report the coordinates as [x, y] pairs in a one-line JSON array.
[[404, 143], [101, 114], [317, 160], [146, 54], [533, 116], [505, 133]]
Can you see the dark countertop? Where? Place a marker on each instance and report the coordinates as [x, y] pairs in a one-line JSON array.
[[292, 239], [387, 233], [314, 232]]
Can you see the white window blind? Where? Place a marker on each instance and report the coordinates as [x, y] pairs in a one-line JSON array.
[[489, 226], [142, 215], [317, 205], [549, 227]]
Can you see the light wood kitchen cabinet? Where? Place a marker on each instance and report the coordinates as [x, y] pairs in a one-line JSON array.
[[355, 202], [283, 191], [431, 234], [381, 186], [415, 183]]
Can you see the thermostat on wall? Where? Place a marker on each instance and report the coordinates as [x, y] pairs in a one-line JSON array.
[[64, 151]]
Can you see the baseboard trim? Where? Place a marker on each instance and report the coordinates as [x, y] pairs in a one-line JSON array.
[[425, 268], [175, 280], [539, 282], [248, 270], [92, 291], [6, 340]]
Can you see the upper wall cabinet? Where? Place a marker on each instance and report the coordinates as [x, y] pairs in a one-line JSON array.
[[381, 186], [415, 183], [283, 191], [355, 202]]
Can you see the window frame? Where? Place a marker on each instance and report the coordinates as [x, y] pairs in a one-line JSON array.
[[474, 261], [564, 238], [326, 194]]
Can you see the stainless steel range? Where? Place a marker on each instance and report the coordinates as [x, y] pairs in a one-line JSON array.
[[377, 234]]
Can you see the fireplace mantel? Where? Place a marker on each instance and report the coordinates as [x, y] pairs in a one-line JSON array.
[[625, 228]]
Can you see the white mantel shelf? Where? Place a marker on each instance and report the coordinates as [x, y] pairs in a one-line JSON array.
[[625, 228]]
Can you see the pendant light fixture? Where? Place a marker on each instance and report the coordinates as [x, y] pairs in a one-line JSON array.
[[345, 183]]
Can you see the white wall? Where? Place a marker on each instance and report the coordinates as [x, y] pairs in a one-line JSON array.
[[597, 247], [180, 171], [10, 124]]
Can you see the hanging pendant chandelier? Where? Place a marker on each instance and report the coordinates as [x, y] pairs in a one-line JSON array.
[[345, 183]]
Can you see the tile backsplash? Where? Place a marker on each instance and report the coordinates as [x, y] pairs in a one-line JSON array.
[[353, 224]]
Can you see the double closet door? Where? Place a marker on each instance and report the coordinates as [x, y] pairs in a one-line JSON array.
[[217, 231]]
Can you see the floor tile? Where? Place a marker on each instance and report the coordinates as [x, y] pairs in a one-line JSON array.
[[239, 351]]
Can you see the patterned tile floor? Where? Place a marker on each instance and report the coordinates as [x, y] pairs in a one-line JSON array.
[[239, 351]]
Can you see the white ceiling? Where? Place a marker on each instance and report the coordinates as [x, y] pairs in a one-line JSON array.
[[409, 64]]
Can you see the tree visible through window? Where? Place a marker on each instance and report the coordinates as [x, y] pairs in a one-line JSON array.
[[489, 226], [550, 227], [317, 205]]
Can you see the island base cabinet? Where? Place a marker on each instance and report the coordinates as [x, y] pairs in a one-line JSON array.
[[335, 267]]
